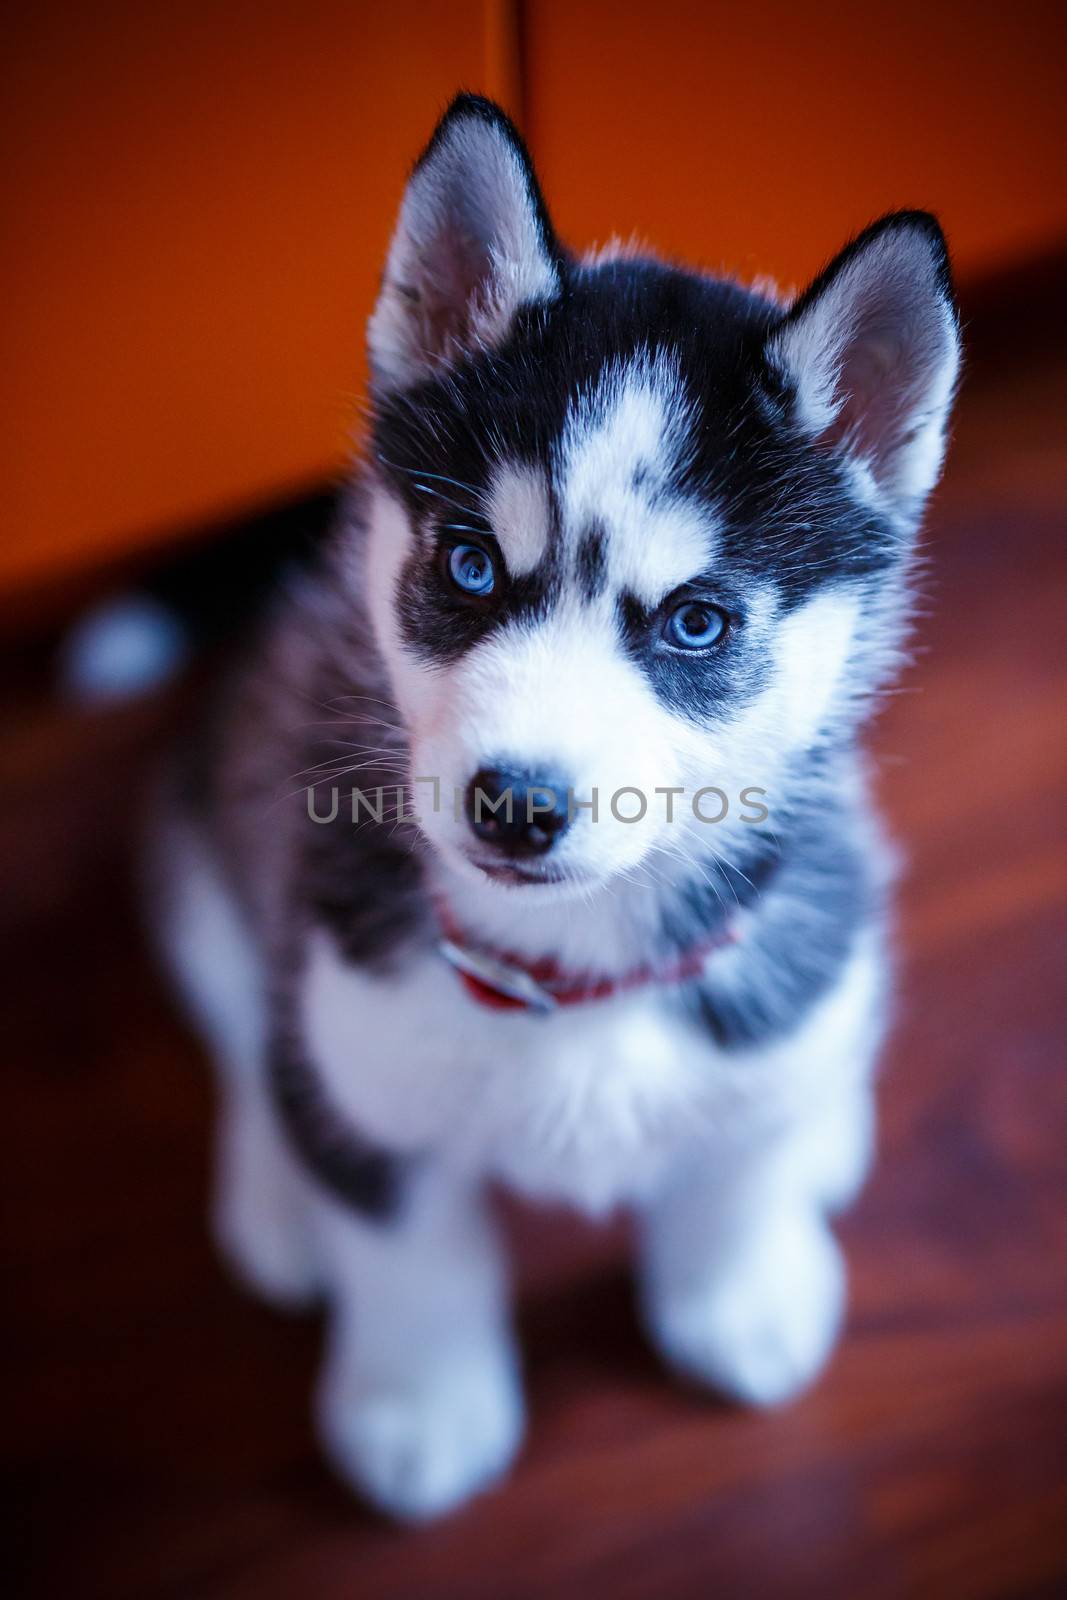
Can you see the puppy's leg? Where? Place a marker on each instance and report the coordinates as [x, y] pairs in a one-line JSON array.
[[743, 1283], [419, 1404], [260, 1202], [260, 1206]]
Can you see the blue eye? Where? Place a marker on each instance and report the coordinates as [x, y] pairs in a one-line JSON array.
[[471, 569], [695, 625]]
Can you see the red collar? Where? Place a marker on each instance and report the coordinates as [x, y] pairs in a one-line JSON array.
[[505, 981]]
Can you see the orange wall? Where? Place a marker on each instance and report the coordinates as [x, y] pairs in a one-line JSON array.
[[759, 136], [200, 194]]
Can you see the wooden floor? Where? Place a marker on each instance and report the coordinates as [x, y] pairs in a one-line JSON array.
[[156, 1427]]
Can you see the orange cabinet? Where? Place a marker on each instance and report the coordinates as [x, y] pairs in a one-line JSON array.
[[759, 137], [199, 196]]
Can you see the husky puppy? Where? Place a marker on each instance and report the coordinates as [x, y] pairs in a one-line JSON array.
[[606, 607]]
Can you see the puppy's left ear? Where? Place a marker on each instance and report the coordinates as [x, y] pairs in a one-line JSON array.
[[870, 354], [473, 243]]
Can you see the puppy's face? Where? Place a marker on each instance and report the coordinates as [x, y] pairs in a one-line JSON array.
[[632, 532]]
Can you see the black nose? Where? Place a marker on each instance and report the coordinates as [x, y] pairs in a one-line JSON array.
[[518, 813]]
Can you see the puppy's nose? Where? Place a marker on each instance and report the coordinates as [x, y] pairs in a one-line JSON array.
[[519, 813]]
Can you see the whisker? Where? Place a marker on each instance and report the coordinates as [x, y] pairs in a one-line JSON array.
[[438, 477]]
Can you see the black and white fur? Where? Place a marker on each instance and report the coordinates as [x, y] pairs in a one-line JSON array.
[[619, 433]]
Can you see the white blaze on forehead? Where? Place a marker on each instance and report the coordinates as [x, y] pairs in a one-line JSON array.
[[518, 510], [621, 443]]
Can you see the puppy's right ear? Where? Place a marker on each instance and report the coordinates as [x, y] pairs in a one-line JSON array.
[[472, 244]]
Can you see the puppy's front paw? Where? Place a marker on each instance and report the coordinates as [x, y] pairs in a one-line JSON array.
[[419, 1449], [760, 1327]]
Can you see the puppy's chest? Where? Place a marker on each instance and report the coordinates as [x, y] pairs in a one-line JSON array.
[[587, 1106]]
